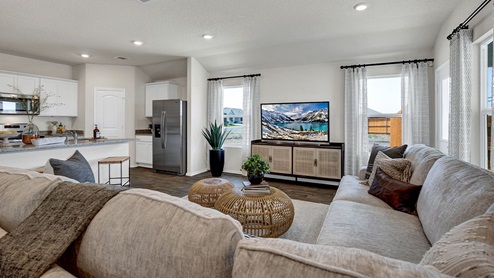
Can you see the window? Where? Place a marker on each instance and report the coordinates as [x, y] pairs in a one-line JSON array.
[[486, 102], [233, 114], [384, 110]]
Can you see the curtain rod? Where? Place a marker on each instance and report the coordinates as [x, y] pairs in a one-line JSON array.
[[464, 24], [387, 63], [237, 76]]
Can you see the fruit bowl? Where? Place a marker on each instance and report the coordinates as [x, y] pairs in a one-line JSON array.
[[5, 138]]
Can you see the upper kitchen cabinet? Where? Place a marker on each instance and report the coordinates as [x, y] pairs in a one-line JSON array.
[[26, 84], [159, 90], [62, 97]]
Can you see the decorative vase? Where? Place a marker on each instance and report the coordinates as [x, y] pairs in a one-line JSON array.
[[216, 162], [53, 130], [255, 179], [30, 132]]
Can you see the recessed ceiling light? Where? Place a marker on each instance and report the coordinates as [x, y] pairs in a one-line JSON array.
[[138, 43], [85, 55], [207, 37], [361, 6]]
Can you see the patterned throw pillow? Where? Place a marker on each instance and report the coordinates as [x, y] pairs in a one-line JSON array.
[[76, 167], [465, 251], [398, 168], [401, 196], [394, 152]]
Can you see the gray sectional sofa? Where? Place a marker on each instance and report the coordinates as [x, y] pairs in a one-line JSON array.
[[143, 233]]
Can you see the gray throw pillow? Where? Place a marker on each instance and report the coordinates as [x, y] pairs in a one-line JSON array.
[[76, 167], [395, 152]]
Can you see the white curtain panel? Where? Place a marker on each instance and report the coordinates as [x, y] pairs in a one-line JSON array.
[[460, 70], [251, 113], [356, 135], [215, 101], [415, 103]]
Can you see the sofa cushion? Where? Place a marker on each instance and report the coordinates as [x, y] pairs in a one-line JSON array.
[[395, 152], [422, 157], [352, 189], [75, 167], [467, 250], [400, 195], [144, 233], [383, 231], [21, 192], [398, 168], [453, 192], [284, 258]]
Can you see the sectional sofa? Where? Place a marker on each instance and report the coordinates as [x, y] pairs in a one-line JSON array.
[[143, 233]]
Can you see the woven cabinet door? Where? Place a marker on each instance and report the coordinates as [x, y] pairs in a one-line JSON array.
[[304, 161], [281, 160], [329, 163]]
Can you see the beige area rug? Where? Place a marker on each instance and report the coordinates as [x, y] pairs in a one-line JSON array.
[[307, 221]]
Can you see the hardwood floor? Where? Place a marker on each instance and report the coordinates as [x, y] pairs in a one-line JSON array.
[[179, 185]]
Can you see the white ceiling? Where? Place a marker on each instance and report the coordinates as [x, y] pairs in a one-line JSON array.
[[248, 33]]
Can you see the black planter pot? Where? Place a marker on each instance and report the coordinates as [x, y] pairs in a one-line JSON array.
[[255, 179], [216, 162]]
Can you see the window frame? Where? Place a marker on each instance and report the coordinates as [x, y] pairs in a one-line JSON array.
[[485, 110], [227, 143], [440, 72]]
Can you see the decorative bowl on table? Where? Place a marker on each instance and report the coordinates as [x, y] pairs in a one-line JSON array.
[[5, 138]]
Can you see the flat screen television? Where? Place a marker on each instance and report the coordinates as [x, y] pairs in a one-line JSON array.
[[296, 121]]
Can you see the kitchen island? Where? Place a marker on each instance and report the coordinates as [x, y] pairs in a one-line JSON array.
[[33, 157]]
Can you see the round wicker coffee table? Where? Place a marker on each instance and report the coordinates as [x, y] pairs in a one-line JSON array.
[[205, 192], [262, 215]]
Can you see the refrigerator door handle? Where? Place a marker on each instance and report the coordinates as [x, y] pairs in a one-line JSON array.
[[163, 130]]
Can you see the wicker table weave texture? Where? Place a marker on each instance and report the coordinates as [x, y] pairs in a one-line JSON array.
[[263, 215], [205, 192]]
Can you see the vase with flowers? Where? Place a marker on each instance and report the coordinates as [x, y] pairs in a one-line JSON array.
[[33, 104]]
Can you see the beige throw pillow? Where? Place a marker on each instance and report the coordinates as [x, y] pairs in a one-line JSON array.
[[397, 168], [465, 251]]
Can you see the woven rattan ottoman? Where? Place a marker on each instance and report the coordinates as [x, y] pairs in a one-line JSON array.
[[205, 192], [262, 215]]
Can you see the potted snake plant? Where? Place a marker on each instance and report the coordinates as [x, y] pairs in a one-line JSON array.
[[215, 136]]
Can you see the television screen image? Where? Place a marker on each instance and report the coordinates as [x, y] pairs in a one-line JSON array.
[[302, 121]]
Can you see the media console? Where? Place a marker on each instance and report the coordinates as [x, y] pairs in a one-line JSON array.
[[302, 161]]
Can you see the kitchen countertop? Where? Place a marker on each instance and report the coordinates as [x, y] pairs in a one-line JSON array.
[[70, 144]]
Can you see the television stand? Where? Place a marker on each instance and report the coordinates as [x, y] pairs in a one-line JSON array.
[[302, 160]]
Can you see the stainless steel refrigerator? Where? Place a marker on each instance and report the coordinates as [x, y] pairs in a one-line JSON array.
[[170, 136]]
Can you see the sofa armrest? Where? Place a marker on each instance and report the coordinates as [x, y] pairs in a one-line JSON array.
[[361, 173], [285, 258]]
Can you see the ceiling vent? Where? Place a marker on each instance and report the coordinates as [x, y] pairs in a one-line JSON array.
[[144, 1], [121, 58]]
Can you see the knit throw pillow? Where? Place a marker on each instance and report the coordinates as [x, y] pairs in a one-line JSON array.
[[398, 168], [76, 167], [465, 251]]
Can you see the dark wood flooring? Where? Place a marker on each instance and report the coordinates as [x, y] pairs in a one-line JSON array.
[[179, 185]]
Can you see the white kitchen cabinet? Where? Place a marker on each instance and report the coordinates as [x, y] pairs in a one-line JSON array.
[[26, 84], [159, 90], [62, 97], [144, 151]]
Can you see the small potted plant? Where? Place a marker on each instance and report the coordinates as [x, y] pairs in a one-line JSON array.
[[255, 167], [216, 136]]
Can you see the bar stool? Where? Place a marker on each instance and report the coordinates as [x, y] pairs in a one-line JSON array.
[[115, 160]]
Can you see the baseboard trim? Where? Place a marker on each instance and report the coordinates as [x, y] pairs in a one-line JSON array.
[[191, 174]]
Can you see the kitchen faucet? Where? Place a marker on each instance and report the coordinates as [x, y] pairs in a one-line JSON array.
[[74, 134]]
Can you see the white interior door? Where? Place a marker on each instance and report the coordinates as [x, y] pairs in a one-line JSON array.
[[442, 107], [109, 112]]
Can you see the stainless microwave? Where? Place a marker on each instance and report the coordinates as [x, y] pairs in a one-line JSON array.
[[15, 104]]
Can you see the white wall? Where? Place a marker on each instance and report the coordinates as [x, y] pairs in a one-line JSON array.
[[37, 67], [141, 122], [482, 27], [196, 117], [107, 76]]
